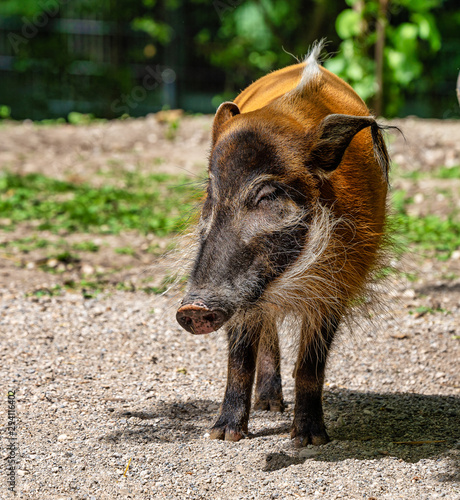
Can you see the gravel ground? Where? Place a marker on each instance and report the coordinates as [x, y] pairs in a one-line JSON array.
[[114, 400]]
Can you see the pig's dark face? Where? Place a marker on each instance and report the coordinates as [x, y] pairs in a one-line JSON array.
[[253, 223]]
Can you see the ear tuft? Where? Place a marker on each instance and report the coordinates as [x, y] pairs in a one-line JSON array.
[[224, 112]]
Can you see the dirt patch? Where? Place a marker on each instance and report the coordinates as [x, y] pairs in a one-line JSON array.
[[86, 153]]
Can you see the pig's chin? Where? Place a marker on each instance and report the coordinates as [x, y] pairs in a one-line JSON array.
[[202, 328]]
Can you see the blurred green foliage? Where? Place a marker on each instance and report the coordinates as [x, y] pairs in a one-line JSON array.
[[409, 33], [20, 8], [258, 36], [156, 29], [401, 56]]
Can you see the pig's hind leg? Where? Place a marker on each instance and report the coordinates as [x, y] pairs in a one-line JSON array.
[[308, 426], [232, 423], [269, 392]]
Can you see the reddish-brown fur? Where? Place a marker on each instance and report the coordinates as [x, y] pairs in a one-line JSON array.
[[355, 192], [304, 129]]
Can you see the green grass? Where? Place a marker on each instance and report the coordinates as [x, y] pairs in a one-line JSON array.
[[173, 128], [428, 310], [125, 251], [89, 289], [74, 118], [159, 204], [86, 246], [30, 243], [155, 203], [92, 288], [26, 245], [46, 292], [392, 271], [448, 172], [429, 233], [440, 173], [65, 257]]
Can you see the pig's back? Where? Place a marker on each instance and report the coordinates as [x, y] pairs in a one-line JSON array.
[[335, 93]]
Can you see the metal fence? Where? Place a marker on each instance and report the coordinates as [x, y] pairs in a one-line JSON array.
[[68, 60]]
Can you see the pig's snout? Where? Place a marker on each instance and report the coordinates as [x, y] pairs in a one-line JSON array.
[[198, 319]]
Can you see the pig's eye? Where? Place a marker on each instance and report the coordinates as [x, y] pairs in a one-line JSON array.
[[267, 193]]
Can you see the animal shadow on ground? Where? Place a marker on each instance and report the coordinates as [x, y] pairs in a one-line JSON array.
[[166, 422], [367, 426], [439, 288], [361, 425]]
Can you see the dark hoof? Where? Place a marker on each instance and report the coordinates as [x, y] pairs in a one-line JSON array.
[[313, 434], [270, 405], [226, 434], [226, 430]]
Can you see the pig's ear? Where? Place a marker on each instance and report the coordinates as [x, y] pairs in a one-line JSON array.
[[332, 137], [224, 112]]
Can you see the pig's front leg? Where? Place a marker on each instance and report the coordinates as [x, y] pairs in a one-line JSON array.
[[269, 392], [308, 426], [232, 423]]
